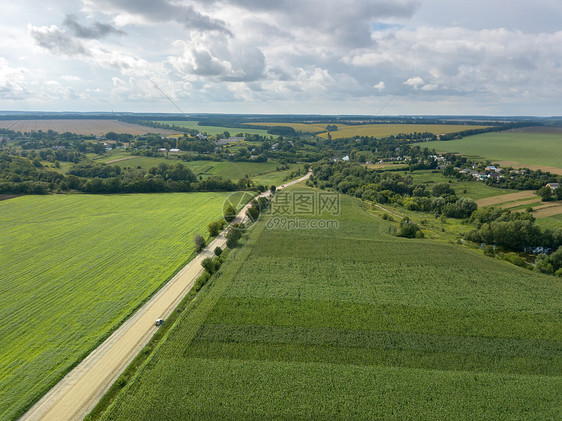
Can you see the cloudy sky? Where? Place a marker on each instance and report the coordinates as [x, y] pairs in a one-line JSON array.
[[488, 57]]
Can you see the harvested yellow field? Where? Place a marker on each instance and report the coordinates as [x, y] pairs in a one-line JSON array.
[[504, 198], [383, 130], [300, 127], [516, 164], [375, 130], [82, 126], [517, 203], [550, 209]]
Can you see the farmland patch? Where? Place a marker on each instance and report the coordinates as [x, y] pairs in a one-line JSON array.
[[352, 323], [537, 150], [73, 267], [83, 127]]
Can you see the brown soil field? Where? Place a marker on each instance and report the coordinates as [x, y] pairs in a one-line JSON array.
[[548, 209], [83, 127], [495, 200], [7, 196], [518, 203], [120, 159]]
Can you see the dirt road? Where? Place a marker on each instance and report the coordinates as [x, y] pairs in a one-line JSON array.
[[80, 390], [119, 159]]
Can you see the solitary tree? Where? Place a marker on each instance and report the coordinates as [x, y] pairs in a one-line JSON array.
[[199, 242]]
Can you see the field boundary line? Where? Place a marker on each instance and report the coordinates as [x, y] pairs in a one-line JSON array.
[[76, 394], [504, 198], [120, 159]]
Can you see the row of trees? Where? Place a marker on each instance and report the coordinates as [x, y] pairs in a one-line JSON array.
[[513, 230], [391, 187]]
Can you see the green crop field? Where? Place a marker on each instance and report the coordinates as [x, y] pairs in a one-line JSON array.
[[352, 323], [212, 130], [529, 149], [276, 177], [146, 162], [236, 170], [73, 267], [257, 171], [550, 222]]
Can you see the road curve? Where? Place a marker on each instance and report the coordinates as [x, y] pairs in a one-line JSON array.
[[75, 395]]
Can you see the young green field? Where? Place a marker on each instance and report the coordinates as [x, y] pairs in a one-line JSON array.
[[257, 171], [73, 267], [212, 130], [529, 149], [550, 222], [351, 323]]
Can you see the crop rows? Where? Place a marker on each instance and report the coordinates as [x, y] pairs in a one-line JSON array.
[[73, 267], [355, 324]]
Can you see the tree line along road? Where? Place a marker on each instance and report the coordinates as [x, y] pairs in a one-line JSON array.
[[76, 394]]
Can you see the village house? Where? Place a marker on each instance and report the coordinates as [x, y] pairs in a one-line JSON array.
[[553, 186]]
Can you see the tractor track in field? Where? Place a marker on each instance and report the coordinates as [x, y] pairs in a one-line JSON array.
[[76, 394]]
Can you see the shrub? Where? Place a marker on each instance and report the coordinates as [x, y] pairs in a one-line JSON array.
[[516, 260], [409, 229], [218, 251], [211, 265], [387, 217], [543, 264], [229, 213], [201, 281], [232, 237], [489, 251], [215, 227]]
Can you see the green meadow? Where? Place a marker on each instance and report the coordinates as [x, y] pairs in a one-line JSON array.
[[353, 323], [541, 149], [260, 172], [73, 267]]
